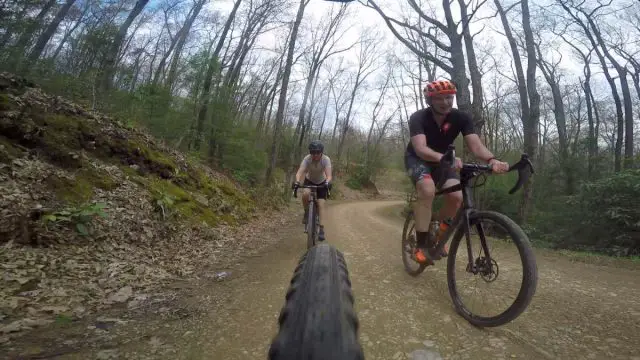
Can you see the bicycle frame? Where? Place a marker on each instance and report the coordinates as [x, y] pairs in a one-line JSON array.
[[313, 196], [468, 172], [313, 208]]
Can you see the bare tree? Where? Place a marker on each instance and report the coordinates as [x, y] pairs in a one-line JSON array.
[[206, 88], [366, 66], [529, 97], [275, 143], [46, 35], [592, 33], [452, 60], [109, 63]]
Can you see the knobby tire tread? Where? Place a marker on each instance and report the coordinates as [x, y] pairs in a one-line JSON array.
[[530, 271], [318, 320]]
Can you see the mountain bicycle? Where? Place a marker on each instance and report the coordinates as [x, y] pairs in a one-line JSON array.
[[311, 227], [484, 265], [318, 320]]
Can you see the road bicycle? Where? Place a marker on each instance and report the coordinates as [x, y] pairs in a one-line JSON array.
[[483, 265], [311, 228], [318, 320]]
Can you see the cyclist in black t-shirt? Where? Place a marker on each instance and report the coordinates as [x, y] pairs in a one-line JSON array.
[[432, 130]]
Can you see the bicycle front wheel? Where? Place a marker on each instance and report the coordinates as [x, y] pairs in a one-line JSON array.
[[496, 265], [311, 227], [318, 320]]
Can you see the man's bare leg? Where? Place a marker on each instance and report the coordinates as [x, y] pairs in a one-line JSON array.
[[305, 204], [425, 189], [452, 201]]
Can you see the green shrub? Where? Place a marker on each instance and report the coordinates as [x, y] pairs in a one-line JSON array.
[[603, 216]]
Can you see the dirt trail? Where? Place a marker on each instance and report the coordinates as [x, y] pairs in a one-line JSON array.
[[580, 311]]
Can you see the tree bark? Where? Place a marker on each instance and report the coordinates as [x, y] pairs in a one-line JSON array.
[[109, 63], [46, 35], [277, 129], [206, 87]]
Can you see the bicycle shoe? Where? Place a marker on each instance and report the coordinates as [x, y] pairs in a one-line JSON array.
[[424, 256], [321, 234]]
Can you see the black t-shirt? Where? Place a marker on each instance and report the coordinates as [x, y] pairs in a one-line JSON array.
[[439, 138]]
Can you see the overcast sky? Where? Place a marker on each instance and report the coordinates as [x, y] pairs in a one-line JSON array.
[[489, 39]]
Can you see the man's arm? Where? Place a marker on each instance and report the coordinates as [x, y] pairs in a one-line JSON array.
[[301, 170], [419, 143], [473, 140], [327, 170], [419, 140], [477, 147]]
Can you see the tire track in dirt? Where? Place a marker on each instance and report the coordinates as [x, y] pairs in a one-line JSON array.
[[580, 311]]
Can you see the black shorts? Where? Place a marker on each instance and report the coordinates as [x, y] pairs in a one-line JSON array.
[[322, 192], [418, 169]]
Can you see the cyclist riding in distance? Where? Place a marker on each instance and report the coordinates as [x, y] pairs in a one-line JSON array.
[[315, 168], [432, 130]]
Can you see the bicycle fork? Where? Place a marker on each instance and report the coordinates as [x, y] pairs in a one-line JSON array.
[[310, 215]]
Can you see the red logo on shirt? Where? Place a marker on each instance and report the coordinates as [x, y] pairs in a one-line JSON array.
[[445, 127]]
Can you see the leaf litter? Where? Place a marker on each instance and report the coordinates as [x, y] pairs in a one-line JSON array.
[[56, 273]]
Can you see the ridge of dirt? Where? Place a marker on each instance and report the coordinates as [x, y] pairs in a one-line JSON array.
[[96, 216], [580, 311]]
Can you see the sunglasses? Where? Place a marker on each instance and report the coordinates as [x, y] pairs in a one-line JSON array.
[[315, 152]]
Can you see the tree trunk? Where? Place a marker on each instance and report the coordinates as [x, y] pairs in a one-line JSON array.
[[476, 77], [46, 35], [109, 64], [206, 88], [626, 98], [277, 129], [531, 128]]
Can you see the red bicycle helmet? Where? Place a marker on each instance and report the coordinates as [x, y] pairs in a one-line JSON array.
[[439, 87]]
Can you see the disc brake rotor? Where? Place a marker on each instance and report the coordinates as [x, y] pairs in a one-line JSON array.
[[487, 268]]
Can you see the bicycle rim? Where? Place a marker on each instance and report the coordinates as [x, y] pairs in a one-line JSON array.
[[524, 257]]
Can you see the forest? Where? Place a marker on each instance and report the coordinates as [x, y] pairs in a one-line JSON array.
[[244, 85]]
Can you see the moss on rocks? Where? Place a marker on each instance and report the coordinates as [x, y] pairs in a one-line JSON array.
[[68, 135], [79, 188]]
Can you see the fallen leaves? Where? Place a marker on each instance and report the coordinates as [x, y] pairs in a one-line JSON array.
[[50, 272]]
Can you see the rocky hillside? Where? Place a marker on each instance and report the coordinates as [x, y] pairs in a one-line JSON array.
[[93, 213]]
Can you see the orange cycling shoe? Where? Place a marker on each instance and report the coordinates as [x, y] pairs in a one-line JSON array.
[[425, 256]]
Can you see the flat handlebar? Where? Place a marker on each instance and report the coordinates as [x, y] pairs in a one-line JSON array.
[[523, 166], [295, 191]]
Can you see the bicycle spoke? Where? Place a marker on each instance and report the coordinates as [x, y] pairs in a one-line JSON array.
[[499, 272]]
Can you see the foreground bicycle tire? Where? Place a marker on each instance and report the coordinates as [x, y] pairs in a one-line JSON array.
[[318, 320], [529, 268]]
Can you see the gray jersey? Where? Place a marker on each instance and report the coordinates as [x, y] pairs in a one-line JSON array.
[[315, 169]]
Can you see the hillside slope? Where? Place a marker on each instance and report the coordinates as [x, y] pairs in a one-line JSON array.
[[95, 214]]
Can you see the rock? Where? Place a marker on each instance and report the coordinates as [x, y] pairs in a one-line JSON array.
[[121, 296], [425, 355], [201, 199], [107, 354]]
